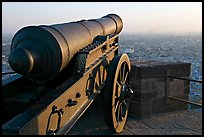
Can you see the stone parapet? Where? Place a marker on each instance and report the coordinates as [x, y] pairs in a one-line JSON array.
[[152, 87]]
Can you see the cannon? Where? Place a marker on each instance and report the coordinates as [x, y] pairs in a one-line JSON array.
[[59, 70]]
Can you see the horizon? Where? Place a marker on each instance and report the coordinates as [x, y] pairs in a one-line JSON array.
[[137, 33], [11, 35], [138, 17]]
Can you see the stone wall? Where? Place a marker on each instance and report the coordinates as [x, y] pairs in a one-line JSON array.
[[151, 87]]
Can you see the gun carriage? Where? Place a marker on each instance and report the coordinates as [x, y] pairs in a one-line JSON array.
[[60, 70]]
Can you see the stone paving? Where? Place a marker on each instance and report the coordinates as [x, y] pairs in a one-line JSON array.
[[185, 122]]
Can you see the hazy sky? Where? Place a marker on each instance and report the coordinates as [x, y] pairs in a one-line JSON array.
[[138, 17]]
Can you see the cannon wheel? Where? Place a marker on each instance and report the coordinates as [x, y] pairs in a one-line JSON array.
[[116, 93]]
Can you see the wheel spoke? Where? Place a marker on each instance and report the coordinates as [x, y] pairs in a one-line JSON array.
[[126, 75], [125, 104], [118, 79], [123, 74], [118, 85], [121, 111], [116, 106], [118, 113]]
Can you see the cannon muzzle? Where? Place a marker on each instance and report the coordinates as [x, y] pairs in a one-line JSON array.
[[40, 53]]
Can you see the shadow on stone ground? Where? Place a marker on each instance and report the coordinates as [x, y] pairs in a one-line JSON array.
[[185, 122]]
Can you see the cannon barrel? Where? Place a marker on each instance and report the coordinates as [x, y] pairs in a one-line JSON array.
[[41, 52]]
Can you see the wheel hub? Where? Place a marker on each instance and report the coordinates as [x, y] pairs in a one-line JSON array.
[[126, 92]]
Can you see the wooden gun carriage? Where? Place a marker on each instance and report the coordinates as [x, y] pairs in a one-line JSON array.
[[60, 70]]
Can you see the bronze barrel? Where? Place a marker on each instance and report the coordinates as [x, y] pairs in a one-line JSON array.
[[40, 53]]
